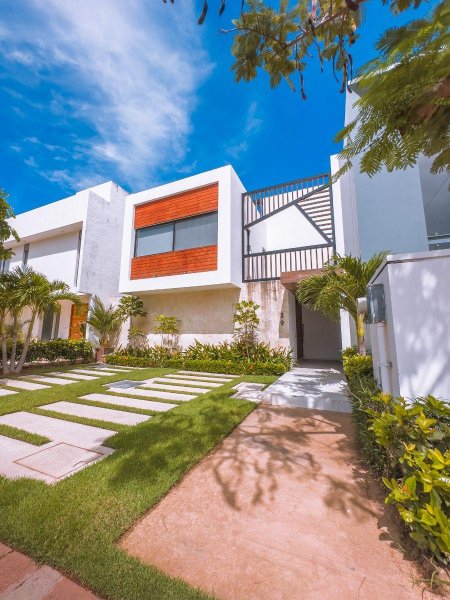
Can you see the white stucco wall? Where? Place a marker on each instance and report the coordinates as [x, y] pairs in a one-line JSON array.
[[56, 257], [52, 232], [417, 290]]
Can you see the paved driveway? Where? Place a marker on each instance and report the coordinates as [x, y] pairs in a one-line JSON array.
[[280, 511]]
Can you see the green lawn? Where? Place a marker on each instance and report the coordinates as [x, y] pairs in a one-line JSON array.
[[75, 524]]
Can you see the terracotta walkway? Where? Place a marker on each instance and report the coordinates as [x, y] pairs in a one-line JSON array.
[[23, 579], [279, 511]]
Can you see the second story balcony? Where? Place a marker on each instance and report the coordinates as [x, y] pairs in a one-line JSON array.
[[287, 229]]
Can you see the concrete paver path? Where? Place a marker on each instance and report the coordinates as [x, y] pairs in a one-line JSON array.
[[280, 511], [22, 579]]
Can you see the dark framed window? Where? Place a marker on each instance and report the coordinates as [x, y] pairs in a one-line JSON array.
[[6, 263], [26, 251], [192, 232]]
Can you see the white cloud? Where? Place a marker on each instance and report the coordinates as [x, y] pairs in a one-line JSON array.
[[129, 71], [240, 144]]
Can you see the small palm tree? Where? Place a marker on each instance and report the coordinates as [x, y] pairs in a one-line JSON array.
[[342, 281], [35, 291], [131, 306], [5, 305], [106, 322]]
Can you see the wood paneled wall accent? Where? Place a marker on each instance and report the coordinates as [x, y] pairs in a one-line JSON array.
[[78, 316], [185, 204], [193, 260]]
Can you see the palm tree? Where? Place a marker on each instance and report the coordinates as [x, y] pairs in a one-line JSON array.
[[342, 281], [106, 321], [5, 305], [131, 306], [35, 291]]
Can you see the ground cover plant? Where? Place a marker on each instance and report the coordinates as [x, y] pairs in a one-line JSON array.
[[407, 444], [75, 524]]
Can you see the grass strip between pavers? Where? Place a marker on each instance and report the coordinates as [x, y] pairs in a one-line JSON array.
[[74, 525], [23, 436]]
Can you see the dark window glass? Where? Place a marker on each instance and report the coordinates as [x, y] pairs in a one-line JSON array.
[[193, 232], [5, 265], [196, 232], [154, 240], [26, 250], [47, 324]]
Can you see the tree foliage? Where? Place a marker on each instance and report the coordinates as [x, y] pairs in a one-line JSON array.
[[22, 289], [6, 231], [404, 108]]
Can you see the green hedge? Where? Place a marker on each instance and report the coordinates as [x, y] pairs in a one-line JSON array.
[[53, 350], [209, 366], [407, 444]]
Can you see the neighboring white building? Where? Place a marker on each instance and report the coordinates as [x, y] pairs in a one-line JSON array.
[[75, 240], [400, 212]]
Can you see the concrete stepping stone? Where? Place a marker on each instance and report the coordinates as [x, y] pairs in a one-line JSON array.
[[130, 402], [82, 436], [161, 385], [95, 412], [201, 378], [12, 450], [180, 382], [158, 394], [248, 391], [184, 379], [218, 375], [61, 460], [7, 392], [71, 375], [97, 372], [52, 380], [23, 385]]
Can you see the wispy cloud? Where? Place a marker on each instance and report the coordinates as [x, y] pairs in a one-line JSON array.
[[128, 72], [252, 124]]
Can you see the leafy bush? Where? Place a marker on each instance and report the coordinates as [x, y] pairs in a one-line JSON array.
[[415, 438], [159, 359], [236, 352], [356, 365], [169, 328], [53, 350]]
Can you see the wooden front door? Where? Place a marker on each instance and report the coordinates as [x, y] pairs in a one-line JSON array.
[[78, 317]]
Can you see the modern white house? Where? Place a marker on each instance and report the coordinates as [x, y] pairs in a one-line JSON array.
[[195, 247], [73, 240]]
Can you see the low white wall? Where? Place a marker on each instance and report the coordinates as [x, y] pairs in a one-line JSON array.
[[417, 331]]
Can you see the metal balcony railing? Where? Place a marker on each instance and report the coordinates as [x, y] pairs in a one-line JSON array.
[[312, 197]]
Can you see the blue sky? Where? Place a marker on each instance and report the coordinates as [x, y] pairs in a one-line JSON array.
[[138, 93]]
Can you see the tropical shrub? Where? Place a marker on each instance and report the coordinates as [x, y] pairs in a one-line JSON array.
[[407, 444], [236, 352], [246, 323], [415, 438], [53, 350], [169, 328], [210, 366], [106, 321], [356, 365]]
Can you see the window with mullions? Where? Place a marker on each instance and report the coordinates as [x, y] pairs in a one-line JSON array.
[[193, 232]]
